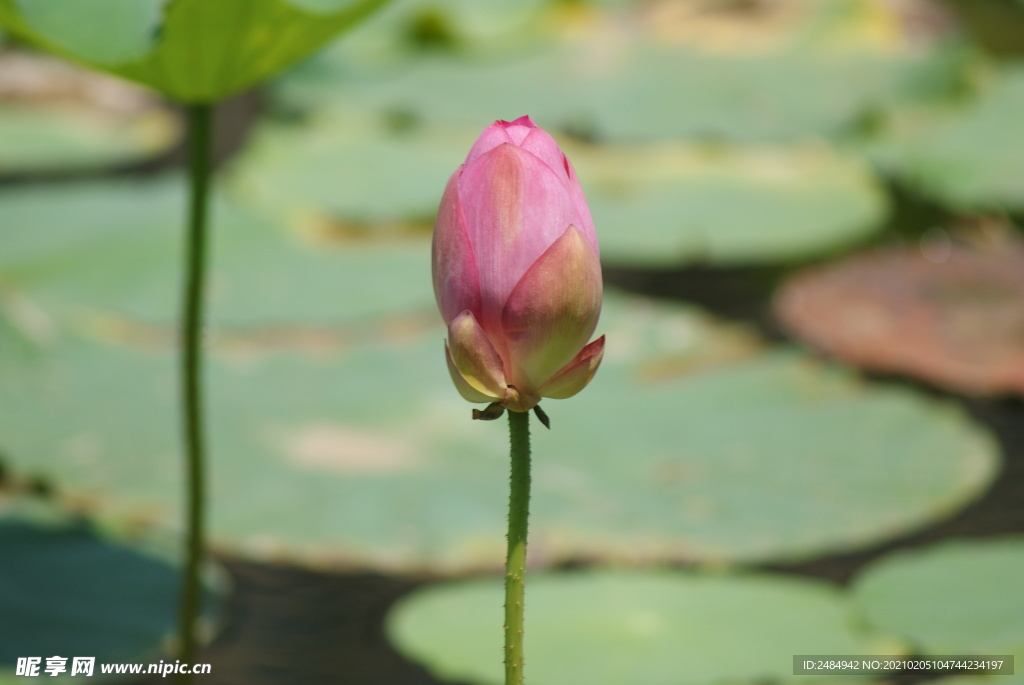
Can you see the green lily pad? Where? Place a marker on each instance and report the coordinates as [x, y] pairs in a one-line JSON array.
[[966, 156], [665, 204], [55, 117], [56, 139], [67, 590], [190, 50], [392, 175], [710, 97], [113, 248], [749, 456], [327, 387], [960, 597], [625, 75], [653, 204], [653, 628]]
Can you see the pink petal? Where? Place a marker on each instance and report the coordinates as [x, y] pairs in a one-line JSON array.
[[584, 221], [514, 206], [492, 137], [498, 133], [552, 311], [540, 143], [468, 392], [523, 124], [519, 129], [474, 356], [456, 284], [576, 374]]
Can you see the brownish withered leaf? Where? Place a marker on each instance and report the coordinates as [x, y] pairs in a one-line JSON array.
[[953, 316]]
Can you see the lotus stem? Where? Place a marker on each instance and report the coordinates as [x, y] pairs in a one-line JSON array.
[[515, 565], [200, 125]]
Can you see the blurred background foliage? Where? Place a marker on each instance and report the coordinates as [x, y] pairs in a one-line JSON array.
[[787, 193]]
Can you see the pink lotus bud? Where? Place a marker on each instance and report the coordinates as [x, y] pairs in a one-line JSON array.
[[516, 271]]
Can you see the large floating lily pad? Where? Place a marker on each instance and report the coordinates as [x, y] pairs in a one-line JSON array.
[[601, 628], [960, 597], [67, 590], [665, 204], [946, 313], [967, 156], [689, 444], [327, 387], [657, 204], [393, 175], [757, 98], [640, 73], [111, 248]]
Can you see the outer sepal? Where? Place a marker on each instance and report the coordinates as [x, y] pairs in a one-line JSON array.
[[468, 392], [474, 357], [577, 374]]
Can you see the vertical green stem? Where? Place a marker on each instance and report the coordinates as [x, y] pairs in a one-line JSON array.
[[515, 565], [200, 124]]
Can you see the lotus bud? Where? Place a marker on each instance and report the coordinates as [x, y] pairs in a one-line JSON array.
[[516, 270]]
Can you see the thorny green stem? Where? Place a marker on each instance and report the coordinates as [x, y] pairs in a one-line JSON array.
[[515, 565], [200, 124]]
